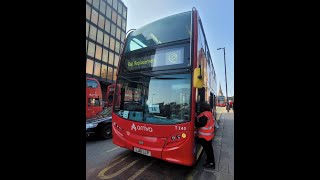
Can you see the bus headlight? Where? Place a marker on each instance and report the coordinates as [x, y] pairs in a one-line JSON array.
[[176, 139]]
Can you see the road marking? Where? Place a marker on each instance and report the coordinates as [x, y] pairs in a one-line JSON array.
[[194, 171], [141, 170], [191, 175], [199, 152], [101, 173], [113, 149]]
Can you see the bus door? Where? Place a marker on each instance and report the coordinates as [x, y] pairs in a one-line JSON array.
[[200, 98]]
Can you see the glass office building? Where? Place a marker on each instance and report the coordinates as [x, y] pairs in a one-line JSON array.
[[106, 22]]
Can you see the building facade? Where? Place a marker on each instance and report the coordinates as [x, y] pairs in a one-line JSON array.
[[106, 22]]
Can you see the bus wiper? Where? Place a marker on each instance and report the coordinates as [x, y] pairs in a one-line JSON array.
[[167, 78], [128, 79], [131, 80], [147, 74]]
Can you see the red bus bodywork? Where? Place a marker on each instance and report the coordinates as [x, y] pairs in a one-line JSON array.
[[110, 94], [93, 97], [221, 104], [171, 142], [221, 101]]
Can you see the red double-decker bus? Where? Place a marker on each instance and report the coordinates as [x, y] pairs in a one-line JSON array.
[[221, 101], [110, 94], [165, 71], [93, 97]]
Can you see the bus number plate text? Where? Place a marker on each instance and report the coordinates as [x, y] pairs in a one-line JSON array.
[[142, 151]]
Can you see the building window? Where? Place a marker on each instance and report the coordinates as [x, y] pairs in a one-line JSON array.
[[117, 47], [111, 55], [120, 8], [119, 20], [104, 71], [102, 7], [100, 37], [116, 60], [89, 1], [124, 24], [106, 40], [87, 29], [118, 33], [93, 32], [105, 55], [112, 43], [114, 74], [109, 76], [113, 30], [97, 69], [96, 3], [94, 16], [88, 12], [98, 52], [92, 83], [89, 66], [101, 21], [124, 12], [110, 2], [123, 35], [107, 27], [115, 4], [91, 49], [108, 12], [114, 16]]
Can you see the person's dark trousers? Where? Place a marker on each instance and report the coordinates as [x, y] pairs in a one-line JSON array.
[[207, 146]]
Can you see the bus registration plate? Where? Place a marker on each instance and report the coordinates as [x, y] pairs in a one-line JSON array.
[[142, 151]]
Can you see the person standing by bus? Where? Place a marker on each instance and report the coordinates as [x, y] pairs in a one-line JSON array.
[[231, 104], [205, 125]]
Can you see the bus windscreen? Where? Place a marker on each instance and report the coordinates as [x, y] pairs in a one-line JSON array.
[[163, 99]]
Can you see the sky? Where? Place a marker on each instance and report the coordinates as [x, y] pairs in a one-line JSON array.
[[218, 22]]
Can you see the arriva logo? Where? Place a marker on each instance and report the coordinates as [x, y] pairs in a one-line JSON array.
[[141, 128], [133, 127]]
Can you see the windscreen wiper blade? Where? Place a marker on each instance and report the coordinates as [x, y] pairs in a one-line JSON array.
[[167, 78]]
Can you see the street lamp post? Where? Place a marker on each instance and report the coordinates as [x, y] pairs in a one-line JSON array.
[[225, 73]]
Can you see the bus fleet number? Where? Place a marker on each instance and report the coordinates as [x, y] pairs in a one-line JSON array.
[[181, 128]]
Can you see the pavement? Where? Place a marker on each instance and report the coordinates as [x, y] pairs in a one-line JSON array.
[[223, 146]]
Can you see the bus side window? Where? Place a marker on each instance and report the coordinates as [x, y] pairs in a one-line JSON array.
[[201, 93], [91, 102], [200, 98], [211, 100]]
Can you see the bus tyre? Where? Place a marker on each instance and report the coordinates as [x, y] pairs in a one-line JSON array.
[[106, 131]]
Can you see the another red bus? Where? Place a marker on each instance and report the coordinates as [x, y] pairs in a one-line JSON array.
[[93, 97], [221, 101], [110, 94], [165, 70]]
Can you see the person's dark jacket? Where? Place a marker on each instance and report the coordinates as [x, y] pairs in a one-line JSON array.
[[202, 121]]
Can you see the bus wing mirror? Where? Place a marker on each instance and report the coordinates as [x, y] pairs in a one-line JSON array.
[[197, 78]]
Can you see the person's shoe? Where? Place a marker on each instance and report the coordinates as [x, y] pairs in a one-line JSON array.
[[210, 165]]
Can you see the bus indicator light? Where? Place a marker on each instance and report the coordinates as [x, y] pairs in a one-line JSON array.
[[184, 135]]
